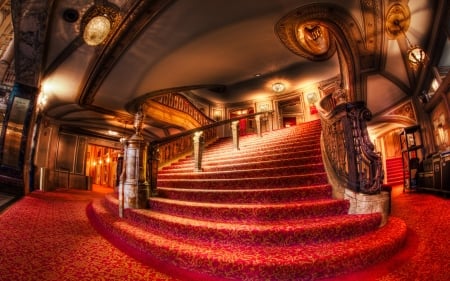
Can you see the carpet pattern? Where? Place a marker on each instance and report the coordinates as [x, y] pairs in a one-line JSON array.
[[47, 236], [245, 219]]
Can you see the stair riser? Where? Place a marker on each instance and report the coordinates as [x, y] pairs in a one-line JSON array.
[[260, 144], [249, 183], [244, 154], [236, 214], [236, 158], [245, 166], [252, 196], [281, 171]]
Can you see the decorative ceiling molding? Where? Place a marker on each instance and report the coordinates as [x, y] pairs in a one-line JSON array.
[[405, 109]]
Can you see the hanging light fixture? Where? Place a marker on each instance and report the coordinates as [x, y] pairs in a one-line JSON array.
[[97, 24], [397, 22]]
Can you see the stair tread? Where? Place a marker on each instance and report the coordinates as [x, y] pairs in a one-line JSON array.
[[213, 205], [243, 190]]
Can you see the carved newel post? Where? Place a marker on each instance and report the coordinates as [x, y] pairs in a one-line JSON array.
[[258, 125], [199, 143], [136, 186], [235, 134]]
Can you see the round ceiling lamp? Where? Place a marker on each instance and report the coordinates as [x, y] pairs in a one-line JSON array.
[[97, 24], [278, 87], [97, 30]]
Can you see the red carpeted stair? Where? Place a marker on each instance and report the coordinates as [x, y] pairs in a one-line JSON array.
[[394, 171], [262, 213]]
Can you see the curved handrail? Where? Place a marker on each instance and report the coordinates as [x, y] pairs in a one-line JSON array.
[[181, 103]]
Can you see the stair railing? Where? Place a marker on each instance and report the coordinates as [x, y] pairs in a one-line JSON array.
[[166, 150], [181, 103], [348, 145]]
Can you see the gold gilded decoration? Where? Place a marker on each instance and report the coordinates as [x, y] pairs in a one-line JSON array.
[[405, 110], [302, 32], [314, 38], [397, 20]]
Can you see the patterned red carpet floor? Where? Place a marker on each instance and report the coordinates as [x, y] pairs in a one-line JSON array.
[[47, 236]]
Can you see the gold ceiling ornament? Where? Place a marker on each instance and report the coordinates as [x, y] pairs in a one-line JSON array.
[[305, 35], [313, 37], [97, 24], [398, 19]]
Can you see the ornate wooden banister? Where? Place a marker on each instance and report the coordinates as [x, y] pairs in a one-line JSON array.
[[349, 147], [181, 103]]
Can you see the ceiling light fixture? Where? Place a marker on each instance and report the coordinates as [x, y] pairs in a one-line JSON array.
[[278, 87], [97, 30], [397, 22], [97, 24]]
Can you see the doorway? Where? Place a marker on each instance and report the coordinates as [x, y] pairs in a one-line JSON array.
[[292, 111], [246, 126], [101, 165]]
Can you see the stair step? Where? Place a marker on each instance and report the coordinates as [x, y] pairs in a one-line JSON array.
[[249, 182], [257, 152], [265, 195], [248, 211], [228, 166], [238, 158], [237, 174]]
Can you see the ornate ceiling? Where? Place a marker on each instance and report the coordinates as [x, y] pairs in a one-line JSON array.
[[223, 53]]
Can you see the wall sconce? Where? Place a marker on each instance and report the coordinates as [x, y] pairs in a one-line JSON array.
[[97, 24], [397, 22], [42, 101], [278, 87]]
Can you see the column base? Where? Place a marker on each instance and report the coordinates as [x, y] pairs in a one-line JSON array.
[[366, 204]]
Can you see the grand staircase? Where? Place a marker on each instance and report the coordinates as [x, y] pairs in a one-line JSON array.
[[263, 212]]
